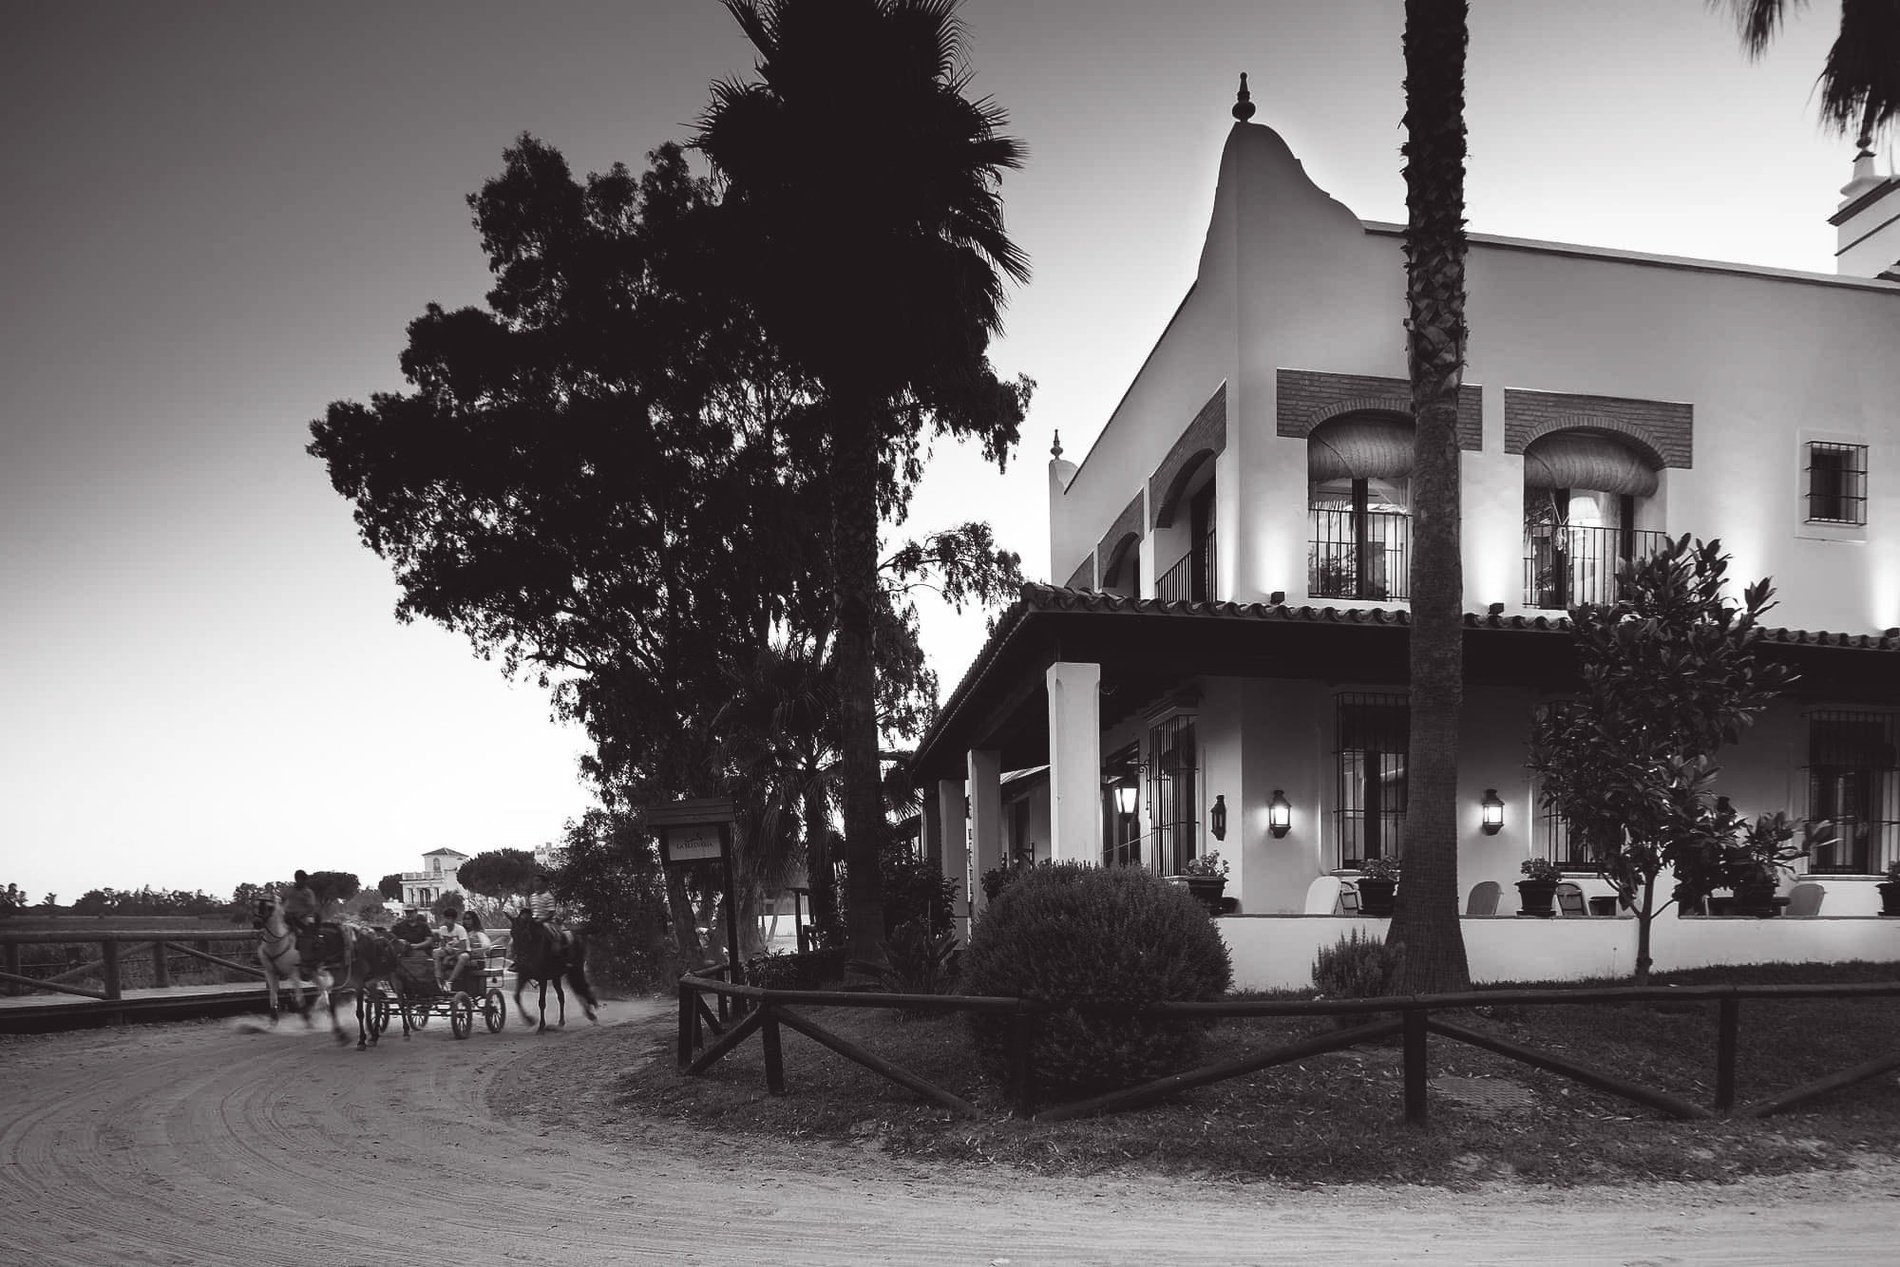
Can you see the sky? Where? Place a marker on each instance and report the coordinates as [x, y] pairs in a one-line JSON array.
[[219, 217]]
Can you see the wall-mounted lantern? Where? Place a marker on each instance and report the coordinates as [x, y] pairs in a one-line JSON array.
[[1279, 814], [1126, 795], [1493, 811], [1217, 818]]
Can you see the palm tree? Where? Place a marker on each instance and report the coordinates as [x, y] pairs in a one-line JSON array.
[[866, 231], [1425, 920], [1860, 82]]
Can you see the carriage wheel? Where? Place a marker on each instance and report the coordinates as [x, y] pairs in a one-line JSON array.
[[462, 1014], [418, 1014], [495, 1010], [370, 1021], [381, 1009]]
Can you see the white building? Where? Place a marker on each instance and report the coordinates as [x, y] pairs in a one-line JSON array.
[[1228, 624], [420, 888]]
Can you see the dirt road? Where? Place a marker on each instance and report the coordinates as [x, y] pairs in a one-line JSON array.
[[203, 1144]]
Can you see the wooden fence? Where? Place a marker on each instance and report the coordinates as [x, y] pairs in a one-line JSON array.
[[763, 1011], [116, 949]]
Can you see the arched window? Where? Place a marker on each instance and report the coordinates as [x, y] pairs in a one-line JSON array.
[[1582, 494], [1122, 572], [1358, 471]]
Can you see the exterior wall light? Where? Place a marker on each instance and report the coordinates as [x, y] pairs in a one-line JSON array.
[[1217, 818], [1279, 814], [1125, 794], [1493, 811]]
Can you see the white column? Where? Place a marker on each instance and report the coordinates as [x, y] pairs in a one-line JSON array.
[[1075, 761], [986, 818], [952, 815]]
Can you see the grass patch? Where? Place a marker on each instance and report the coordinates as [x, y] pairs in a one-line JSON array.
[[1339, 1117]]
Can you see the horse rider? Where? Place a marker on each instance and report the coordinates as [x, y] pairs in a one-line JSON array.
[[301, 912], [541, 904]]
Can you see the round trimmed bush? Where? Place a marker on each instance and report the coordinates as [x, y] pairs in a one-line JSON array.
[[1097, 943]]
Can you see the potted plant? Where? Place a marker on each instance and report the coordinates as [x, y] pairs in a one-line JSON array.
[[1537, 891], [1378, 881], [1890, 891], [1206, 876], [1757, 855]]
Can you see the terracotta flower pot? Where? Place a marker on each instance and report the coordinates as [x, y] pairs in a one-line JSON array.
[[1537, 897], [1375, 896], [1889, 897]]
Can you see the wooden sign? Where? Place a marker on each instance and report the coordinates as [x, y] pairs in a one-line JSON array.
[[693, 831]]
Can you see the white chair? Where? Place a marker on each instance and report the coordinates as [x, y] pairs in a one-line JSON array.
[[1484, 898], [1570, 900], [1804, 900], [1322, 895]]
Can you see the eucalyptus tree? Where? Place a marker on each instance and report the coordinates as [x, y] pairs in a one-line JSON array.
[[1425, 919], [879, 265], [599, 478]]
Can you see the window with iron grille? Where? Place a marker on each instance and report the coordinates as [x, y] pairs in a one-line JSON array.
[[1557, 840], [1372, 733], [1171, 776], [1837, 483], [1854, 783]]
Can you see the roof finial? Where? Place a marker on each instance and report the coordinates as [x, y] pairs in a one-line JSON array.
[[1243, 100], [1055, 450]]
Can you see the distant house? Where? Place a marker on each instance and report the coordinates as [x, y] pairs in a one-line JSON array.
[[419, 888], [1218, 659]]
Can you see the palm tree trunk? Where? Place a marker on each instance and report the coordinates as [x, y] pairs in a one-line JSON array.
[[1425, 921], [854, 483]]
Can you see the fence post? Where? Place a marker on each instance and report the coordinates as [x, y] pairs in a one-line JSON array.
[[1728, 1018], [111, 965], [774, 1059], [1022, 1065], [161, 971], [1414, 1036], [689, 1023]]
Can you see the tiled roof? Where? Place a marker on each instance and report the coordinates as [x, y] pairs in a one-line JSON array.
[[1038, 598]]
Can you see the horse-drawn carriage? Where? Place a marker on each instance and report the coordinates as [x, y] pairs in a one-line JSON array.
[[412, 993]]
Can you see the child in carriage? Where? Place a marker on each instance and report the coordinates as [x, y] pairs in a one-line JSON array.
[[451, 945]]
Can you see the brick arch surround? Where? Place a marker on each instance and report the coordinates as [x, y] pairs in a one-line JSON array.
[[1661, 430], [1308, 398], [1205, 436]]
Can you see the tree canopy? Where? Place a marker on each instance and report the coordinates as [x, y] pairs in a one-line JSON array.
[[1671, 673], [500, 873]]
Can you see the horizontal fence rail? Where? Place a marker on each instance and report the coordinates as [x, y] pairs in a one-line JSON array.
[[766, 1009], [118, 950]]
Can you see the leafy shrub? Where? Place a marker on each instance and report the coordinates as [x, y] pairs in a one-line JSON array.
[[919, 961], [1356, 967], [917, 889], [1098, 944], [795, 970]]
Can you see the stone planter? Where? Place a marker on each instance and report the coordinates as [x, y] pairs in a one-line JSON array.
[[1375, 896], [1207, 890], [1757, 900], [1537, 897]]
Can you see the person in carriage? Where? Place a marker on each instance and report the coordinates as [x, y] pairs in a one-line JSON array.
[[451, 944]]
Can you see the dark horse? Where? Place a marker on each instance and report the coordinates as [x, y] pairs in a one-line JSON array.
[[377, 958], [543, 955]]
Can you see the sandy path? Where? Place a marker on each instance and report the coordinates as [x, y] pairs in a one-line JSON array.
[[203, 1144]]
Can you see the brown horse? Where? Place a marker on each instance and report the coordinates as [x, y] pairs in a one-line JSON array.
[[377, 959], [283, 953], [543, 955]]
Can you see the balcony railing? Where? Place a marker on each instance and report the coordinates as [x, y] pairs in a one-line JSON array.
[[1184, 582], [1568, 567], [1360, 554]]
